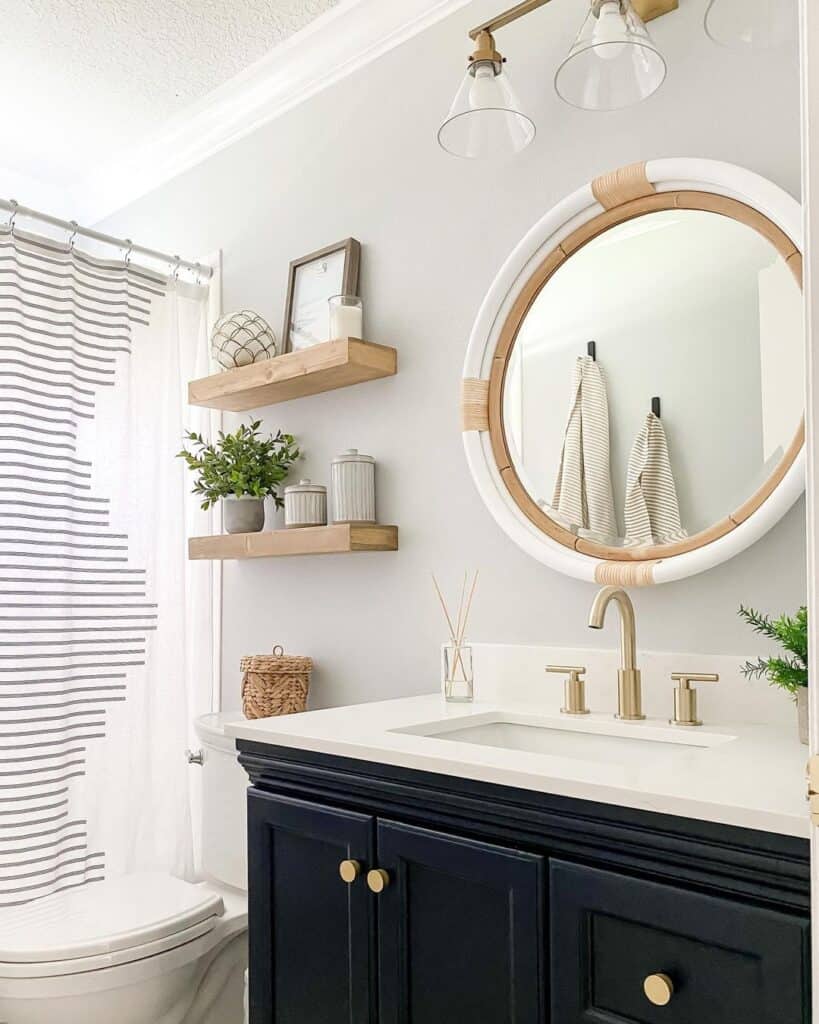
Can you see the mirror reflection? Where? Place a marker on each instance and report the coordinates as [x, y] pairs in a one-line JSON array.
[[656, 382]]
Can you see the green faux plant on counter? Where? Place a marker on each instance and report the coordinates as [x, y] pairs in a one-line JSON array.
[[240, 465], [789, 671]]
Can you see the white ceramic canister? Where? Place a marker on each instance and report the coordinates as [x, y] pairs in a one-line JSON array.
[[353, 478], [305, 504]]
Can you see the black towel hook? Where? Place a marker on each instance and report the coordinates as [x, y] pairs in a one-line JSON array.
[[655, 406], [591, 348]]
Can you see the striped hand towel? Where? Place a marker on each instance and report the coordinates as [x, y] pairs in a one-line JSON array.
[[652, 513], [583, 493]]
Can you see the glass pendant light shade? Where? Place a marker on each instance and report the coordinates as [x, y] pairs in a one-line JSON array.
[[485, 119], [749, 26], [613, 63]]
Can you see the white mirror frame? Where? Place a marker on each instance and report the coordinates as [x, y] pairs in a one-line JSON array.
[[615, 190]]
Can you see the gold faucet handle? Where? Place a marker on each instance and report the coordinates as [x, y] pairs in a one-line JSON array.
[[574, 688], [685, 696]]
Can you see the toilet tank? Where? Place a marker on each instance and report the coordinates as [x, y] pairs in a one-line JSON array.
[[224, 803]]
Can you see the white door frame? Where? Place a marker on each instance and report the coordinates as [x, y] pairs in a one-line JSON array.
[[809, 26]]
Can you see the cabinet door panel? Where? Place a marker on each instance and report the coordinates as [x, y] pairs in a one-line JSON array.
[[460, 930], [726, 961], [311, 935]]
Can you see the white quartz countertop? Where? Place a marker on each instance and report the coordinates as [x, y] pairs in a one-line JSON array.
[[745, 775]]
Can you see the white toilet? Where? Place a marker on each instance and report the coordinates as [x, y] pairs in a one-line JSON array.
[[147, 948]]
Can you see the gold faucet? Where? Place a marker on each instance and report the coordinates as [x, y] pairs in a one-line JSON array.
[[629, 687]]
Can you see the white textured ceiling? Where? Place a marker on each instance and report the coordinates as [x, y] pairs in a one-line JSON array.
[[83, 80]]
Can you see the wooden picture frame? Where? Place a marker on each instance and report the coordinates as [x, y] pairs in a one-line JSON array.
[[343, 280]]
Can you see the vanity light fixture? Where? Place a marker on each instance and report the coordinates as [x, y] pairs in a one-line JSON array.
[[613, 64], [749, 26], [485, 118]]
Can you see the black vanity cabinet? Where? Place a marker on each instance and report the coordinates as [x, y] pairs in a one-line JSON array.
[[311, 933], [460, 930], [456, 933], [707, 958], [489, 905]]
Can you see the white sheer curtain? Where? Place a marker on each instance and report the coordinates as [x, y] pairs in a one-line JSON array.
[[108, 632], [142, 809]]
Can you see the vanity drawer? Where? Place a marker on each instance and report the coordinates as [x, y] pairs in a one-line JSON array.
[[727, 962]]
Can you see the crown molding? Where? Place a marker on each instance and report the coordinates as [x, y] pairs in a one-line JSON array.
[[338, 43]]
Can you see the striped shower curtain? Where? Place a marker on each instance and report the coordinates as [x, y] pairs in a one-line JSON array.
[[98, 668]]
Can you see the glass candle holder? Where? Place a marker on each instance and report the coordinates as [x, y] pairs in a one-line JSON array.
[[458, 682], [346, 316]]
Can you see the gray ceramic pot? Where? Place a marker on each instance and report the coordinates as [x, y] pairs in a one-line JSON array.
[[802, 713], [243, 515]]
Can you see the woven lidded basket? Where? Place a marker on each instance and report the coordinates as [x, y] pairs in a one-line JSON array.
[[274, 684]]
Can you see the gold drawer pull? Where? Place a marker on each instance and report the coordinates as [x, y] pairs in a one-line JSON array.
[[377, 880], [349, 871], [659, 989]]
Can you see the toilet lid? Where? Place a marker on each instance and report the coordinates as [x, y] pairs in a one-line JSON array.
[[104, 917]]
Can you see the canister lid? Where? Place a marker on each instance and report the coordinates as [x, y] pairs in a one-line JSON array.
[[352, 455], [305, 487]]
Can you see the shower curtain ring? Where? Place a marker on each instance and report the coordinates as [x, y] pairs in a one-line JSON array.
[[176, 267], [75, 227], [128, 251], [14, 207]]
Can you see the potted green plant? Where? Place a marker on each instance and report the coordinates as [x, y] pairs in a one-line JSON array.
[[789, 671], [241, 469]]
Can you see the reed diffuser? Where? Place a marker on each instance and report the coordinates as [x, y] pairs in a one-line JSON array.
[[458, 680]]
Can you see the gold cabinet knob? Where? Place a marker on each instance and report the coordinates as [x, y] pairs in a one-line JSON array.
[[659, 989], [377, 880], [349, 871]]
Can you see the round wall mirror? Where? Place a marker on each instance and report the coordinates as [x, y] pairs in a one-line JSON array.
[[634, 385]]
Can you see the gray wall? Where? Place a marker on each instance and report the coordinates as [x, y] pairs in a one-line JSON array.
[[362, 160]]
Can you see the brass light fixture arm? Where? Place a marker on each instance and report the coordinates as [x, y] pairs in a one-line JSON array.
[[507, 17]]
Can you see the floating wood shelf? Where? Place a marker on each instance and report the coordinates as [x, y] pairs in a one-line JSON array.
[[325, 367], [339, 539]]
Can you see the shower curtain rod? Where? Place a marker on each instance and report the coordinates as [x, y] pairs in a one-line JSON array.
[[174, 262]]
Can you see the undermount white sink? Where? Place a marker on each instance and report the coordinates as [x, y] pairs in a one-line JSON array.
[[599, 739]]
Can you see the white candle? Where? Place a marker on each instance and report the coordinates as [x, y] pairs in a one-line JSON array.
[[345, 320]]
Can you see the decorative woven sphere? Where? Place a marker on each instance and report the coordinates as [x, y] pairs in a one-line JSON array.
[[241, 338]]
